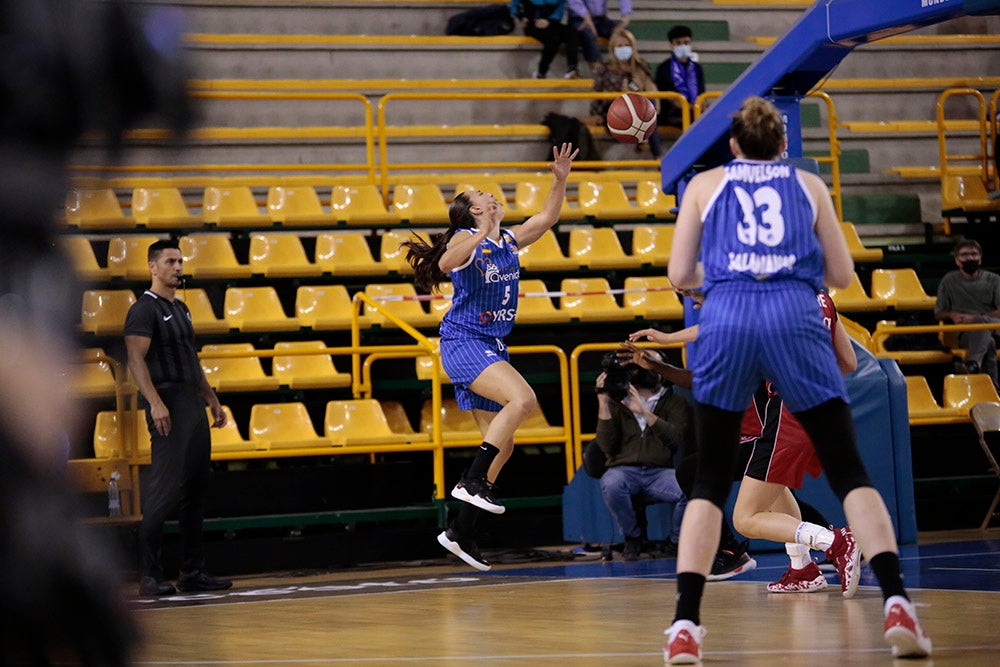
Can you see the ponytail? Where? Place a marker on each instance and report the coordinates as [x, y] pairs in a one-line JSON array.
[[424, 257]]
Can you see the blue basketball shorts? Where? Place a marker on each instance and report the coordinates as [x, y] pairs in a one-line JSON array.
[[463, 360], [754, 332]]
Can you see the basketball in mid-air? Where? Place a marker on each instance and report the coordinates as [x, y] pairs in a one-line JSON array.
[[631, 118]]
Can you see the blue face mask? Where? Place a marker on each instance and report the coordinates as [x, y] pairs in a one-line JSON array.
[[623, 52], [682, 51]]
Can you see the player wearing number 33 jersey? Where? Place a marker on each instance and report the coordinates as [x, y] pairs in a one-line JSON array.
[[769, 254]]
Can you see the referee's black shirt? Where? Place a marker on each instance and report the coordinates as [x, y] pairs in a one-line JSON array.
[[172, 358]]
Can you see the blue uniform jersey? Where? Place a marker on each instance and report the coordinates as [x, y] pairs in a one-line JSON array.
[[759, 226], [485, 299]]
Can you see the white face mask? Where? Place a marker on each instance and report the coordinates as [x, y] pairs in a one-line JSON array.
[[623, 52], [682, 51]]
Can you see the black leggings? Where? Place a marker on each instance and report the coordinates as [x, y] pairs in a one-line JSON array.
[[828, 425]]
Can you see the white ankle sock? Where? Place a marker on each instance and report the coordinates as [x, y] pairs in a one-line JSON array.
[[798, 553], [814, 536]]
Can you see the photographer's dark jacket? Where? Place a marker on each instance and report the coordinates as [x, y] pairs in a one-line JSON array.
[[625, 445]]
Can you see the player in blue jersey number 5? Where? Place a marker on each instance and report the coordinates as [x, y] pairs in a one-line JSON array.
[[481, 260], [768, 238]]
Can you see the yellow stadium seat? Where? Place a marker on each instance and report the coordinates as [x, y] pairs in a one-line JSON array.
[[858, 250], [419, 204], [80, 254], [963, 391], [127, 256], [607, 200], [313, 371], [395, 415], [326, 307], [211, 256], [235, 373], [588, 301], [456, 424], [649, 198], [536, 425], [296, 206], [405, 308], [232, 206], [854, 298], [425, 365], [934, 355], [986, 420], [256, 309], [362, 422], [546, 255], [901, 289], [530, 195], [228, 438], [108, 436], [96, 209], [599, 248], [92, 378], [162, 208], [103, 311], [490, 188], [858, 333], [280, 256], [656, 301], [922, 406], [202, 314], [284, 426], [537, 309], [346, 254], [360, 205], [439, 306], [393, 253], [651, 244]]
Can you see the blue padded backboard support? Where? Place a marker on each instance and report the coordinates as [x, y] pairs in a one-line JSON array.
[[807, 53]]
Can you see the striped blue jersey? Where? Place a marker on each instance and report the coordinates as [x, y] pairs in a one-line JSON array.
[[485, 299], [759, 225]]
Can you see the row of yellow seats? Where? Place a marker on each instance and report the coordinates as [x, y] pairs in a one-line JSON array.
[[361, 422], [899, 289], [329, 307], [282, 255], [959, 393], [211, 256], [236, 206]]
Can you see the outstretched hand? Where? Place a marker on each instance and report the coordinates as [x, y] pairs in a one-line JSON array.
[[563, 160]]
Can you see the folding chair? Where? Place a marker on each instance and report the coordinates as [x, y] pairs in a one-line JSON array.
[[986, 419]]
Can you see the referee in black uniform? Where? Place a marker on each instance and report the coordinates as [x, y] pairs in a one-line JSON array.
[[159, 338]]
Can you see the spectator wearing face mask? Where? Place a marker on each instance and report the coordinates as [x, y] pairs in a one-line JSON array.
[[680, 73], [590, 18], [626, 72]]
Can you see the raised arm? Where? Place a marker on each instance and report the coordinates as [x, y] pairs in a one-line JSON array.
[[533, 228]]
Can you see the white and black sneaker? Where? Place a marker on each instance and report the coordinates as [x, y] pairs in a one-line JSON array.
[[463, 547], [478, 492]]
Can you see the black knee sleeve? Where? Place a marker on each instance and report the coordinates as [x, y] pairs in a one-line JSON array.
[[686, 470], [831, 429], [718, 434]]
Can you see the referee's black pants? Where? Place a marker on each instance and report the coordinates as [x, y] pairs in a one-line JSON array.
[[176, 481]]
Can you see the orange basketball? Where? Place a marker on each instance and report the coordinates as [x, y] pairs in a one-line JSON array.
[[631, 118]]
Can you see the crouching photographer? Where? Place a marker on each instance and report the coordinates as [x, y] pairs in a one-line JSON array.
[[641, 425]]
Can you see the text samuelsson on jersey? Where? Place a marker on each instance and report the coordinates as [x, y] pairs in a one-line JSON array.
[[760, 266]]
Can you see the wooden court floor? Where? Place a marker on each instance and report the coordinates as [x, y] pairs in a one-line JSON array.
[[573, 613]]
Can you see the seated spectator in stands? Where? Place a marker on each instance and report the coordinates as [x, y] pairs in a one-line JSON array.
[[680, 73], [640, 435], [626, 72], [971, 295], [590, 19], [543, 20]]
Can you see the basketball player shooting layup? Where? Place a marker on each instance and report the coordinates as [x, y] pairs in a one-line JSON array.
[[482, 262]]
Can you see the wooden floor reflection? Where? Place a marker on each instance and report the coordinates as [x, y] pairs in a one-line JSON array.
[[546, 616]]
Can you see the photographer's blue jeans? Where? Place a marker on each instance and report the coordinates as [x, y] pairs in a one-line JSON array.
[[620, 483]]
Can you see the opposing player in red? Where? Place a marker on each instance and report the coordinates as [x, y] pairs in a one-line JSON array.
[[778, 453]]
